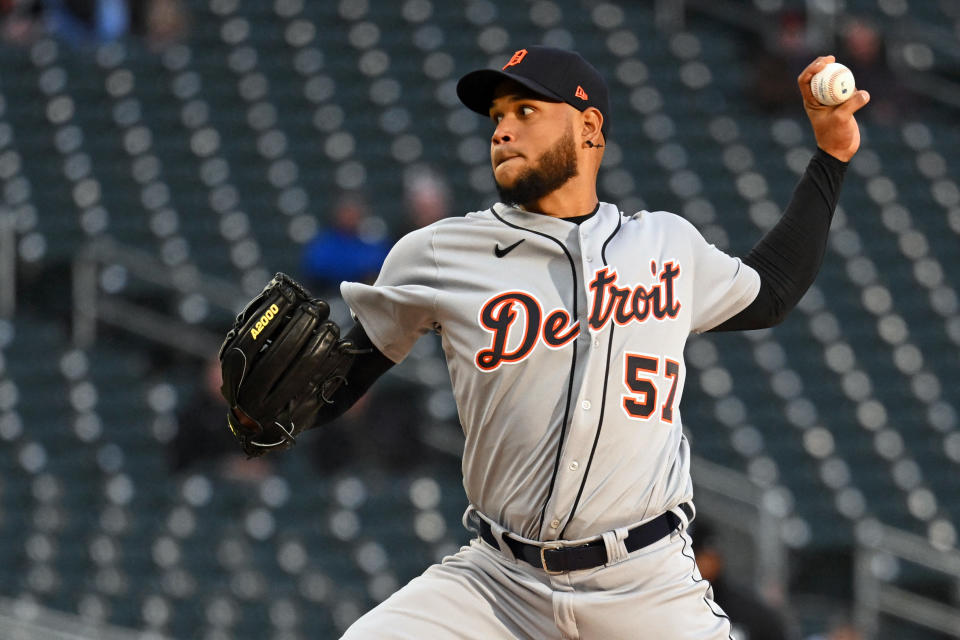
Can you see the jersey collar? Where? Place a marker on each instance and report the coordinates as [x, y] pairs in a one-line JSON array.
[[556, 227]]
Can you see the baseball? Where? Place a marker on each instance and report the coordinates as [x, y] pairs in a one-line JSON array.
[[833, 85]]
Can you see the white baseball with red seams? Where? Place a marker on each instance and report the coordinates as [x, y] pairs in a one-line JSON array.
[[833, 85]]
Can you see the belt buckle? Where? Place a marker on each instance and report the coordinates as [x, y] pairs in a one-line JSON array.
[[543, 559]]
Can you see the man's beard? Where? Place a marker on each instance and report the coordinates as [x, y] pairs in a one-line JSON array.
[[553, 169]]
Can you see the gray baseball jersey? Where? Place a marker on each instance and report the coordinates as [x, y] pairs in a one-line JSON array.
[[565, 349]]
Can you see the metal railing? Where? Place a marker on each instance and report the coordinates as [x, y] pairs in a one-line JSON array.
[[93, 305], [730, 499], [880, 546], [8, 264]]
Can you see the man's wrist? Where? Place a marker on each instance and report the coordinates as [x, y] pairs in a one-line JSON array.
[[830, 159]]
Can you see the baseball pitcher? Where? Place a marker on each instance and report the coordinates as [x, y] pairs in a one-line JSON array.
[[563, 321]]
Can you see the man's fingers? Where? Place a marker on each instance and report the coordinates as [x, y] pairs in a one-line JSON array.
[[812, 69], [854, 103]]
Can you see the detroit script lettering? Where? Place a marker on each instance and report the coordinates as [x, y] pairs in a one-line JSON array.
[[607, 303]]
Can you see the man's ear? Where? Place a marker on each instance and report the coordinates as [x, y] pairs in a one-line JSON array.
[[592, 125]]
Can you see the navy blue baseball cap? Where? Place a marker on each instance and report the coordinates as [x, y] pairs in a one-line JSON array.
[[555, 74]]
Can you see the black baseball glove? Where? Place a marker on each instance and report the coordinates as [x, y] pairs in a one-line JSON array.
[[282, 360]]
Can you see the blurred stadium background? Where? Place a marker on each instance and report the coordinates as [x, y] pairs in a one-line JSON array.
[[160, 160]]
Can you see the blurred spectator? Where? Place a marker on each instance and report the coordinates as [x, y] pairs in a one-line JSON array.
[[775, 63], [22, 21], [203, 439], [380, 431], [383, 429], [839, 628], [426, 198], [85, 22], [352, 248], [159, 22], [82, 23], [750, 617], [862, 49]]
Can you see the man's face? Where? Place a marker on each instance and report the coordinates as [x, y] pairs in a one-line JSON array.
[[532, 150]]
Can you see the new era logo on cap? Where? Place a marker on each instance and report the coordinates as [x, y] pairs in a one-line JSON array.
[[555, 74]]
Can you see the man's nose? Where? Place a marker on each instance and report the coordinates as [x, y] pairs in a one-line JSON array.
[[502, 133]]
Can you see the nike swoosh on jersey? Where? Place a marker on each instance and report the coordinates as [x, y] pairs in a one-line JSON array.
[[497, 251]]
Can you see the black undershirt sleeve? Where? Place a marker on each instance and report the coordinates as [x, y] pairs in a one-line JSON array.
[[366, 368], [788, 256]]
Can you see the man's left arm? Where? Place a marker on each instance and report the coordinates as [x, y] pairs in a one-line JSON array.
[[788, 257]]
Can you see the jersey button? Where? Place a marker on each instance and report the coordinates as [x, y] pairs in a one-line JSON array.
[[554, 524], [589, 258], [574, 465], [586, 405]]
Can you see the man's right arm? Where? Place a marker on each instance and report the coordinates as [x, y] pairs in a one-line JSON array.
[[367, 367], [398, 309]]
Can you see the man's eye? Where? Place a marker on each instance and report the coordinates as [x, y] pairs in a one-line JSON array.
[[526, 110]]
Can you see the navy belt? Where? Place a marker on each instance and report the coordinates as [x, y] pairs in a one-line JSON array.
[[556, 559]]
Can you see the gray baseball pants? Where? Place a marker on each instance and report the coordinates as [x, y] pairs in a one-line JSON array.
[[480, 593]]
